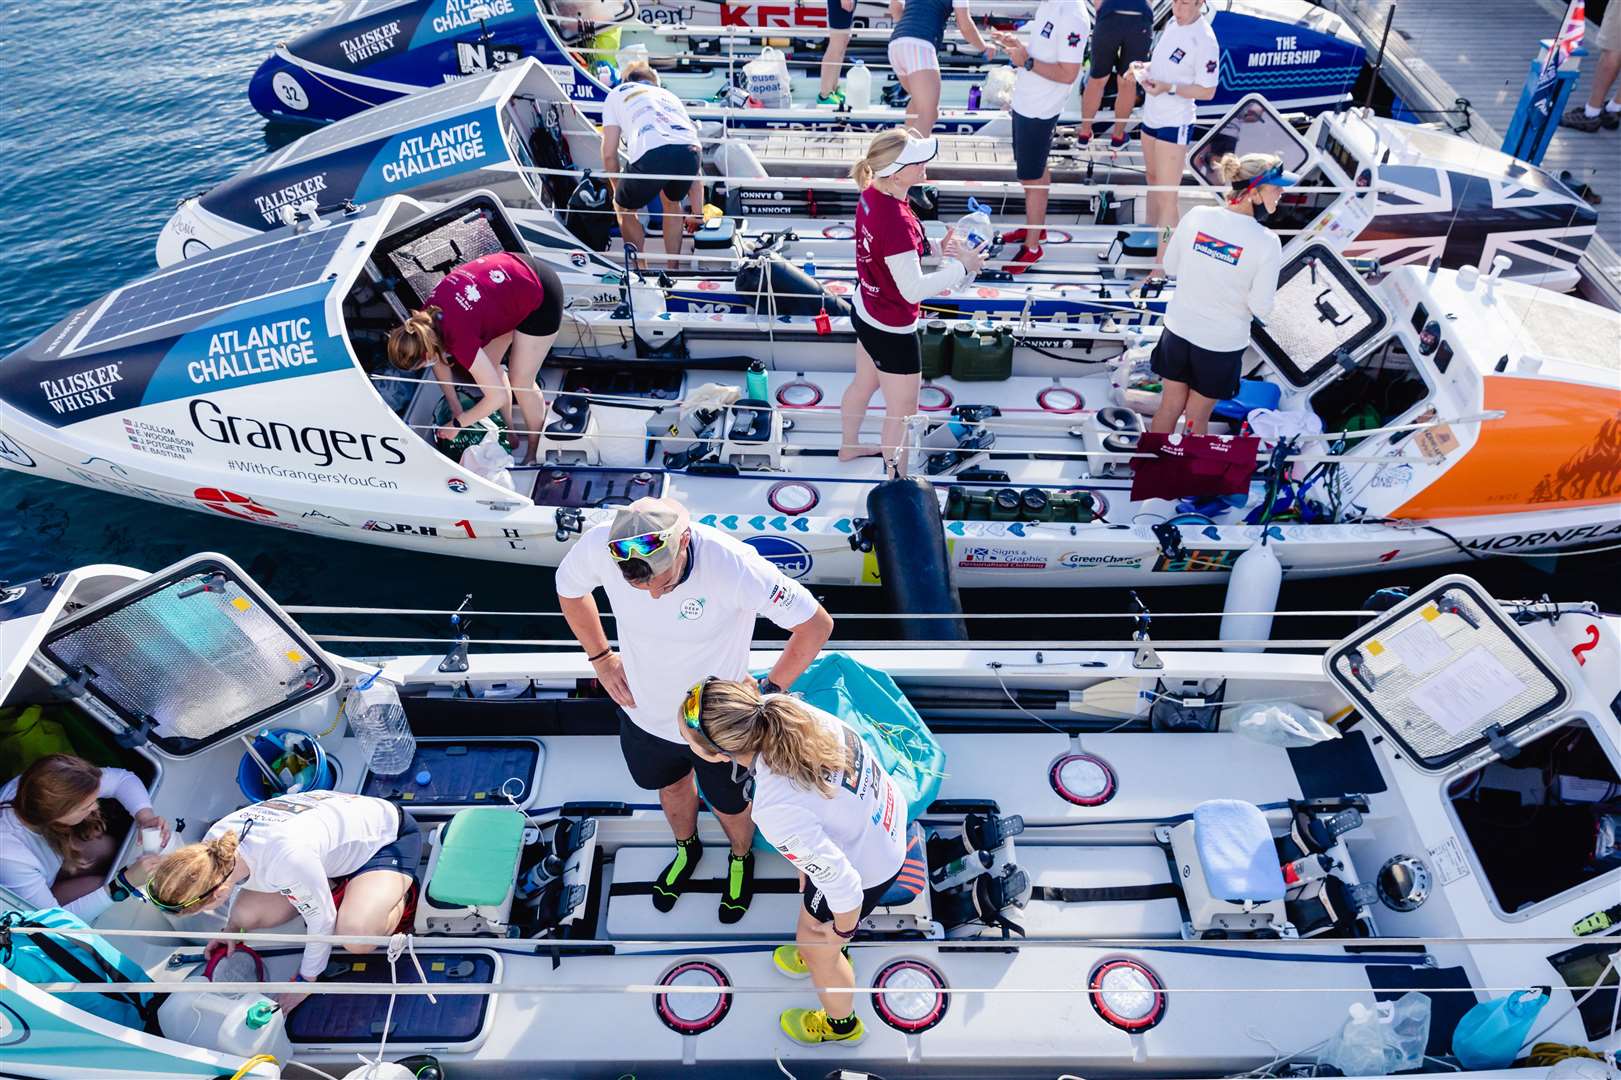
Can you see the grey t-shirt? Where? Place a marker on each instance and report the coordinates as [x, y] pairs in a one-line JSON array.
[[925, 20]]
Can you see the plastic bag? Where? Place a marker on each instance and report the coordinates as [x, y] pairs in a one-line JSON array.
[[1491, 1033], [997, 90], [1273, 424], [767, 80], [489, 460], [1279, 723], [1131, 378], [1388, 1038]]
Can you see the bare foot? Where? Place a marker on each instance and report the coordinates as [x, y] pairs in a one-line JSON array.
[[850, 453]]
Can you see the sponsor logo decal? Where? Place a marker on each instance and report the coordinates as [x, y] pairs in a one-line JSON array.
[[1392, 476], [789, 556], [257, 349], [457, 484], [93, 386], [232, 504], [400, 527], [460, 13], [12, 451], [1073, 40], [433, 151], [316, 515], [325, 445], [578, 258], [311, 476], [1286, 53], [370, 43], [1047, 30], [1001, 558], [767, 15], [1217, 249], [1177, 55], [1511, 541], [1194, 562], [1076, 560], [692, 608], [270, 204]]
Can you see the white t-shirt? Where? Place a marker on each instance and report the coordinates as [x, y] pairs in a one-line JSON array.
[[647, 117], [844, 844], [700, 628], [1184, 55], [28, 863], [1226, 269], [297, 842], [1058, 35]]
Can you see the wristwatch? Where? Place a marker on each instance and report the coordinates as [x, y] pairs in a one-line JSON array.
[[119, 888], [769, 687], [1029, 62]]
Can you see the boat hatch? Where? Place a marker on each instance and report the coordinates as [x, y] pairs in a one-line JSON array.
[[1253, 126], [416, 257], [27, 610], [190, 656], [1324, 316], [1449, 677]]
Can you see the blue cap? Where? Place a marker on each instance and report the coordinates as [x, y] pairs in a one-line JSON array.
[[423, 777]]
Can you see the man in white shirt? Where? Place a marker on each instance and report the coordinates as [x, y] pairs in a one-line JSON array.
[[1050, 60], [662, 145], [684, 598]]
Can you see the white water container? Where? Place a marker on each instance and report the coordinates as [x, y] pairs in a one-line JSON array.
[[974, 228], [377, 718], [737, 161], [858, 85], [239, 1024]]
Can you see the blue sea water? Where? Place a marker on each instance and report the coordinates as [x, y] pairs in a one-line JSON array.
[[109, 114]]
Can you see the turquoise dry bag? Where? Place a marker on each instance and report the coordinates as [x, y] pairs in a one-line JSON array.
[[52, 958]]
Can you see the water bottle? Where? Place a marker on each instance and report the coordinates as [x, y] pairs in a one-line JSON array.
[[973, 98], [961, 870], [756, 382], [974, 227], [858, 86], [377, 719], [809, 267]]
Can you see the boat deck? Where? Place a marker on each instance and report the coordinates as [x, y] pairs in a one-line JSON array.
[[1484, 58]]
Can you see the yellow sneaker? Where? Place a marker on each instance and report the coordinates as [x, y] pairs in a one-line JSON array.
[[789, 962], [809, 1027]]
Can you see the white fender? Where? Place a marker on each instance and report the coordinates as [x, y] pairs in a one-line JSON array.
[[1253, 587]]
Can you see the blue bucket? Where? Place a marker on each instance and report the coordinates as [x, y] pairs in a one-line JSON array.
[[316, 775]]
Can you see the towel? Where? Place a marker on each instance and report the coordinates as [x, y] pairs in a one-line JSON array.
[[1236, 851]]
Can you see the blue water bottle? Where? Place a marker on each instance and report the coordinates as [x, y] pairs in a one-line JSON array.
[[756, 382]]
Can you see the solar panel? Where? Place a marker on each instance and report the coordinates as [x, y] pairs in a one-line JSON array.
[[215, 283], [387, 119]]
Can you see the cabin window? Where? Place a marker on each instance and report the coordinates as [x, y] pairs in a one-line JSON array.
[[1384, 386], [1298, 209], [1545, 821]]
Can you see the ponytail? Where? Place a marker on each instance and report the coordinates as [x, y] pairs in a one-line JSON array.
[[182, 876], [780, 728], [884, 148], [412, 346], [1237, 171]]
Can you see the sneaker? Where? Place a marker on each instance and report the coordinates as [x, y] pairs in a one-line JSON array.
[[1083, 141], [674, 877], [1015, 237], [737, 891], [1610, 118], [1576, 117], [791, 963], [836, 98], [1118, 142], [1026, 258], [809, 1027]]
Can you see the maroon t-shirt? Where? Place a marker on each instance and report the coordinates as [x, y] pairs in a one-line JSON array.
[[482, 300], [885, 226]]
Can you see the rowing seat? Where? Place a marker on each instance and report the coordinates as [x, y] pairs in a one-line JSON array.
[[472, 872], [1252, 394], [905, 907], [1228, 866]]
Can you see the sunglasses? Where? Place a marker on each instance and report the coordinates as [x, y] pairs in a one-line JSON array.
[[176, 909], [639, 547], [692, 714]]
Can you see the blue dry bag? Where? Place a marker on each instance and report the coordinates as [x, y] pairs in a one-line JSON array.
[[52, 958], [1490, 1035]]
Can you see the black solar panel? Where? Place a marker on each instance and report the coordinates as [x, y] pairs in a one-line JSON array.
[[215, 283]]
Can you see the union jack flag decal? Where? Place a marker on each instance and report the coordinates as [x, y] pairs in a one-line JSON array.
[[1570, 36]]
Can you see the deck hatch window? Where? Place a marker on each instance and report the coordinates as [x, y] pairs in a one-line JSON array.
[[1323, 311]]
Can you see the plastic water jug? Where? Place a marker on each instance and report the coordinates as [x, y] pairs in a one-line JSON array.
[[239, 1024], [1390, 1037], [858, 86], [377, 719], [1490, 1035], [974, 228]]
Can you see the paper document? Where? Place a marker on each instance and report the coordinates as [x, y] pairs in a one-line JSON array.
[[1467, 691], [1419, 647]]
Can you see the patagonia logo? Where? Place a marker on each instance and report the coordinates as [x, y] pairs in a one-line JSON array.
[[1205, 244]]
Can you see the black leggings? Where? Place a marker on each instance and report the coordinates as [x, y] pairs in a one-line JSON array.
[[545, 319]]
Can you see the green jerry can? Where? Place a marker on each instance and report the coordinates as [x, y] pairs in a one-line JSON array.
[[981, 354], [936, 349]]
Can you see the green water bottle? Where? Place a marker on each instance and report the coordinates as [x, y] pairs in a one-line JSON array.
[[757, 388]]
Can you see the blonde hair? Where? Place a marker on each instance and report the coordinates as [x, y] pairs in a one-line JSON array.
[[639, 71], [49, 789], [780, 728], [182, 875], [413, 345], [885, 147], [1239, 171]]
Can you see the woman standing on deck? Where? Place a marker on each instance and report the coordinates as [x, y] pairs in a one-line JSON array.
[[1226, 264], [824, 802], [914, 52], [891, 286], [1182, 70]]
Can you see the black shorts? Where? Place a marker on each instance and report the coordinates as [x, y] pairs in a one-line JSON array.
[[663, 162], [1120, 39], [403, 854], [838, 18], [545, 319], [1032, 142], [1212, 374], [656, 763], [815, 900], [892, 353]]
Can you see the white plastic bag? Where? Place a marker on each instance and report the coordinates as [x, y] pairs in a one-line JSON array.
[[486, 458], [996, 92], [1272, 424], [1131, 373], [1388, 1038], [767, 80], [1278, 723]]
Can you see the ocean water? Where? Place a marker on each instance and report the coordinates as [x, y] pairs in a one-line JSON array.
[[109, 114]]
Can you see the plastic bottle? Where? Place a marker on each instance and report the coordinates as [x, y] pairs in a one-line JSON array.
[[858, 87], [962, 869], [973, 98], [757, 388], [377, 718], [240, 1024], [974, 227], [1390, 1037]]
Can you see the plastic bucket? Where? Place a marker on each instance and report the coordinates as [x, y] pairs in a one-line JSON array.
[[271, 745]]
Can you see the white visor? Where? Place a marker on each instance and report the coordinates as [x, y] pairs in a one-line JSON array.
[[916, 152]]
